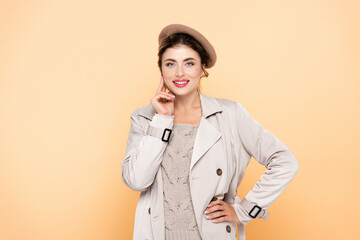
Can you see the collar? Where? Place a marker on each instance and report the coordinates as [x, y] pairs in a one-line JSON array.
[[209, 107]]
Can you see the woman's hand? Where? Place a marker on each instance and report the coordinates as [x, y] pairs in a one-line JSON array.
[[220, 211], [163, 102]]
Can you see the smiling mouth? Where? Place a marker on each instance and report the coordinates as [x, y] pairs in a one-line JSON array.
[[181, 81]]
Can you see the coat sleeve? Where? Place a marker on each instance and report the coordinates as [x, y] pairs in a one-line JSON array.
[[269, 151], [143, 153]]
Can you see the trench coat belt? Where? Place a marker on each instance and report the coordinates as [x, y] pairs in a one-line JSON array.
[[254, 210]]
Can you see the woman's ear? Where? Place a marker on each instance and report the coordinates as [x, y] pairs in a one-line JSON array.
[[203, 70]]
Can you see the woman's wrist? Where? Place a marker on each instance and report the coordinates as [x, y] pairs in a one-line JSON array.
[[164, 115], [162, 121]]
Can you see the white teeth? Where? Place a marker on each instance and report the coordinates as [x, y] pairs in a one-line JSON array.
[[181, 82]]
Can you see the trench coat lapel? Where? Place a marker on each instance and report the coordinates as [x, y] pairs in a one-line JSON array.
[[207, 134]]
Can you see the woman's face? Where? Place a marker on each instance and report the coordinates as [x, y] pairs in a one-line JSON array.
[[181, 69]]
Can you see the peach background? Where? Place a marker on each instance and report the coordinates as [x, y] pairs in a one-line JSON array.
[[71, 73]]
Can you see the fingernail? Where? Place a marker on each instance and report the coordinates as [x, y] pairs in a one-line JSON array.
[[206, 212], [207, 217], [213, 221]]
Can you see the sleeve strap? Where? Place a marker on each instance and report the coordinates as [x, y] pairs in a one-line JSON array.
[[163, 134], [254, 210]]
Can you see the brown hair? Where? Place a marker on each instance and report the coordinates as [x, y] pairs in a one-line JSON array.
[[188, 40]]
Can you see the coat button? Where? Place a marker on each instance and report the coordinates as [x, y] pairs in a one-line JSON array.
[[149, 211], [228, 228], [214, 199], [219, 171]]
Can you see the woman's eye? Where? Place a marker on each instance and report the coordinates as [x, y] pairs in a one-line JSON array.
[[169, 64], [189, 63]]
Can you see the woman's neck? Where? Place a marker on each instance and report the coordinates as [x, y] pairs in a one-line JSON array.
[[187, 102], [188, 109]]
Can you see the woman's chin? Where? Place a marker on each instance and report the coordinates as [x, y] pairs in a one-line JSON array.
[[183, 92]]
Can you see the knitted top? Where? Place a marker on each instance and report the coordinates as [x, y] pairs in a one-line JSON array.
[[180, 221]]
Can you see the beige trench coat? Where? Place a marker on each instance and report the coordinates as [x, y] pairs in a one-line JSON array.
[[227, 138]]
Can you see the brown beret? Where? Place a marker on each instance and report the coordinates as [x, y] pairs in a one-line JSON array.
[[179, 28]]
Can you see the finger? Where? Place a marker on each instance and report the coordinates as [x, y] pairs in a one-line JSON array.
[[161, 85], [162, 99], [166, 94], [214, 208], [164, 85], [212, 203], [221, 219], [160, 96], [215, 215]]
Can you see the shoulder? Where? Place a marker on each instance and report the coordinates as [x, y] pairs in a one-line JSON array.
[[228, 105], [146, 111], [225, 107]]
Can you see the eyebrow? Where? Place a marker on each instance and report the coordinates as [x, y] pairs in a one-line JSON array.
[[186, 59]]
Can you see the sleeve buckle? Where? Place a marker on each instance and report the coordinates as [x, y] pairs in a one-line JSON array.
[[166, 137], [257, 213]]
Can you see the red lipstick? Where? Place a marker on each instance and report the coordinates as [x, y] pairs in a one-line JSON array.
[[181, 82]]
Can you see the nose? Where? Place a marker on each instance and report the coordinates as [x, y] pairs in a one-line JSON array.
[[179, 72]]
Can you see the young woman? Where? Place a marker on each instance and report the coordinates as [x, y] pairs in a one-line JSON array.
[[187, 152]]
